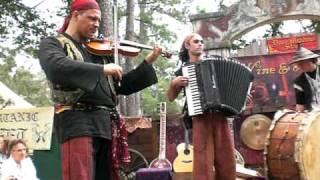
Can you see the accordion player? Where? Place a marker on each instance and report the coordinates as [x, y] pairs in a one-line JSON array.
[[217, 84]]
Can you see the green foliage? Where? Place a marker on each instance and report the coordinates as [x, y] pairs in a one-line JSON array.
[[275, 30], [4, 103], [151, 96], [313, 27], [32, 88], [200, 10], [26, 25], [157, 13], [239, 44], [20, 30], [22, 24], [154, 19]]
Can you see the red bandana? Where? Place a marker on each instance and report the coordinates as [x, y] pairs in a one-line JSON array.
[[78, 5]]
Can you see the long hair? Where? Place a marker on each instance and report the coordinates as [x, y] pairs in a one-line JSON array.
[[183, 53], [14, 142], [4, 148]]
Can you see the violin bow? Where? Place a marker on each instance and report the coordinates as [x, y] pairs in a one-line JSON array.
[[115, 31], [115, 34]]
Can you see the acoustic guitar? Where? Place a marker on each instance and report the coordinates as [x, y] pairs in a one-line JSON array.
[[184, 161], [162, 161]]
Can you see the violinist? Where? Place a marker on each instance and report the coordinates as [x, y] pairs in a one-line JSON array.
[[84, 88]]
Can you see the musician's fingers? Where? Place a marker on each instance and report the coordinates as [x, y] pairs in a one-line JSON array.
[[120, 70], [186, 80], [157, 49], [119, 74], [183, 82], [153, 55], [113, 70]]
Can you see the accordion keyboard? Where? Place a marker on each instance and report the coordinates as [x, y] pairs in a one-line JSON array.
[[192, 90]]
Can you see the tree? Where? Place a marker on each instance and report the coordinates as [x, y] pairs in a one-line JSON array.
[[150, 28], [32, 88], [275, 30], [153, 27], [29, 27], [20, 30], [313, 27], [23, 25], [133, 101]]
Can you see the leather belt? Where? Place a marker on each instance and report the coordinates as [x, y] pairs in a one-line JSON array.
[[80, 107]]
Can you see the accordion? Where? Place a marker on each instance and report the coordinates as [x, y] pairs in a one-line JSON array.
[[217, 84]]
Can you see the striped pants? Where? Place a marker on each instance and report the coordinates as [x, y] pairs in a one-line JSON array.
[[213, 148], [86, 158]]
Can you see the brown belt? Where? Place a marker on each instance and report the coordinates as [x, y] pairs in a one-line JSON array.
[[79, 107]]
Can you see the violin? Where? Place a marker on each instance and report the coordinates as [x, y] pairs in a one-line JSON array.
[[127, 48]]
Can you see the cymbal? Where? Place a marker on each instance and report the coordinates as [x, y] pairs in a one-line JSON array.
[[254, 130]]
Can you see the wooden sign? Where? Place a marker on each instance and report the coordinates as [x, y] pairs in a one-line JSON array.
[[290, 44]]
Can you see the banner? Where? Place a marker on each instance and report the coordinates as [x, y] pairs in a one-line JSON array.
[[34, 125], [272, 88], [290, 44]]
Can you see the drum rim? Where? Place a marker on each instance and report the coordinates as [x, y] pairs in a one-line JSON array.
[[300, 140]]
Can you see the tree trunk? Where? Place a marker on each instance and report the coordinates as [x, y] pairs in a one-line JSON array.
[[133, 106], [143, 29], [107, 30], [106, 24]]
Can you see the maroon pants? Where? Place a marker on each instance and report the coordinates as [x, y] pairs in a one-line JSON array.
[[213, 148], [86, 158]]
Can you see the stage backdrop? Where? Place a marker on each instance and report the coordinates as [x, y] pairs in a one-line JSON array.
[[272, 87], [272, 90]]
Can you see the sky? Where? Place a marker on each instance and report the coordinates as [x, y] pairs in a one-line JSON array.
[[51, 6], [48, 7]]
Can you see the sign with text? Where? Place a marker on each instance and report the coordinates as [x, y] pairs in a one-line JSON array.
[[290, 44], [34, 125], [272, 88]]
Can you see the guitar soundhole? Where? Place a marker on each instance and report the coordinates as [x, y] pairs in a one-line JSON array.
[[186, 151]]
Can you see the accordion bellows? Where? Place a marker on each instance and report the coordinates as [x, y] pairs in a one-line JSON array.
[[217, 84]]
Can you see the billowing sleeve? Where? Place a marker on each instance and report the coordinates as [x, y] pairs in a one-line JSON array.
[[139, 78], [66, 72]]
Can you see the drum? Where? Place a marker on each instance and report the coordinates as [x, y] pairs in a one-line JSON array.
[[292, 149]]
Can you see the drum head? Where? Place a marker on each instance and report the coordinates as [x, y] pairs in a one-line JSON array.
[[254, 130], [309, 148]]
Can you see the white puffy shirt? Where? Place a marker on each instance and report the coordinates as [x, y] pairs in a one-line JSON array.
[[25, 171]]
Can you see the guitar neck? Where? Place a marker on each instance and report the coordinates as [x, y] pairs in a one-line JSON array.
[[162, 146], [186, 138], [186, 135]]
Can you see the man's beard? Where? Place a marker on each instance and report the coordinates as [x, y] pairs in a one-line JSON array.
[[196, 53]]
